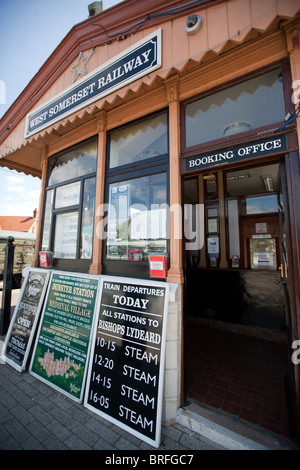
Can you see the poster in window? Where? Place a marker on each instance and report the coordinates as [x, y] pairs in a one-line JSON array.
[[158, 223], [118, 213], [65, 243], [263, 260], [261, 227], [213, 225], [139, 224], [67, 195], [86, 242], [213, 245]]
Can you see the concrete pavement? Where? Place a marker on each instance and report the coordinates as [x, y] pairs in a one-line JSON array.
[[35, 416]]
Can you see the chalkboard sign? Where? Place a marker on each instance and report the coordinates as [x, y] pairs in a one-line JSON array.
[[125, 377], [23, 324], [63, 341]]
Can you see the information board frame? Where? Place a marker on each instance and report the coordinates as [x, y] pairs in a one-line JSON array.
[[106, 381], [53, 344], [26, 325]]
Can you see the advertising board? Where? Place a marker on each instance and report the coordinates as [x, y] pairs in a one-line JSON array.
[[23, 324], [63, 341], [126, 367]]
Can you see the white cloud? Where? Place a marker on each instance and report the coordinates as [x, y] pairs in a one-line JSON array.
[[13, 180], [19, 194]]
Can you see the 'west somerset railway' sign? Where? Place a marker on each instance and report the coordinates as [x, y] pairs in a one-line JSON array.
[[128, 66], [125, 376]]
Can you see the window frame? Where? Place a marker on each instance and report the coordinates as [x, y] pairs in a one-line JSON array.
[[73, 264], [242, 136], [147, 167]]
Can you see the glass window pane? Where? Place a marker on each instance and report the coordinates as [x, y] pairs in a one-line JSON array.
[[65, 241], [143, 140], [234, 230], [260, 205], [47, 221], [212, 212], [137, 218], [210, 183], [67, 195], [254, 103], [262, 179], [190, 190], [86, 241], [80, 161]]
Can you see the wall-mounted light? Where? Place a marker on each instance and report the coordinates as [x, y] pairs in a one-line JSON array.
[[209, 176], [236, 127], [193, 24], [268, 182]]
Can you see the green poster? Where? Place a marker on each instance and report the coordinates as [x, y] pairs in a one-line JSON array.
[[63, 341]]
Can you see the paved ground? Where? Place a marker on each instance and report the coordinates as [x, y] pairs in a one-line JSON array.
[[35, 416]]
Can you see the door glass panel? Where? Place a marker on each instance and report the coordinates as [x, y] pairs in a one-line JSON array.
[[263, 254], [234, 230], [190, 190], [210, 183]]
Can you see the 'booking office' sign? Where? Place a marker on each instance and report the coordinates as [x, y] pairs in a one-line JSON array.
[[257, 148]]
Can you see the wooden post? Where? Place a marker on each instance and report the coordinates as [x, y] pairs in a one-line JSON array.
[[44, 163], [175, 273], [96, 266]]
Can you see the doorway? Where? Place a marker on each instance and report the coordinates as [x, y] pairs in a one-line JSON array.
[[236, 345]]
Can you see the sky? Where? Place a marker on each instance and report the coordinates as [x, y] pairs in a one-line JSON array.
[[30, 30]]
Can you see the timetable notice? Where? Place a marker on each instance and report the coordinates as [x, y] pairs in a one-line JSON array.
[[126, 364]]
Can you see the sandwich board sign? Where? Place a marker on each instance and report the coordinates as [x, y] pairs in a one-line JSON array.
[[126, 366], [63, 341], [25, 318]]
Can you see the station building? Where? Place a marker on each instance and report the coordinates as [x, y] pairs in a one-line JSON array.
[[170, 127]]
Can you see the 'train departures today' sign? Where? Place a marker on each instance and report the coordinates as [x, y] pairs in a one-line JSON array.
[[125, 376], [128, 66]]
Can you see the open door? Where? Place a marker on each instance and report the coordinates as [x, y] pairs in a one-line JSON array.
[[287, 280], [283, 247]]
